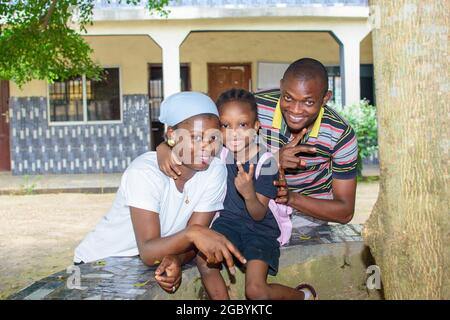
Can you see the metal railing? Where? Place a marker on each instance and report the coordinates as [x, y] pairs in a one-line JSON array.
[[239, 3]]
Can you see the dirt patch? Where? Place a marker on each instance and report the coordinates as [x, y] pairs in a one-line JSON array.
[[38, 234]]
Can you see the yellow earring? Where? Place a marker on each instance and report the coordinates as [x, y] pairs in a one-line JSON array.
[[170, 142]]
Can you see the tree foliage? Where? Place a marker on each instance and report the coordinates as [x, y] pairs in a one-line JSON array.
[[42, 39]]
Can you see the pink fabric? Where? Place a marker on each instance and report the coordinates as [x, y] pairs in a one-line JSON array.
[[281, 212]]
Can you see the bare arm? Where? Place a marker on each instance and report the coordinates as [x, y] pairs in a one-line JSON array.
[[152, 248], [201, 219], [257, 206], [167, 161], [255, 203], [168, 273], [339, 209]]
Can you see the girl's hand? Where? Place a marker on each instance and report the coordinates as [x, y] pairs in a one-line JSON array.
[[244, 181], [168, 161], [215, 247], [168, 273]]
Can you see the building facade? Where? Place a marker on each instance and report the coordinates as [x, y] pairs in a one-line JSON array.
[[87, 126]]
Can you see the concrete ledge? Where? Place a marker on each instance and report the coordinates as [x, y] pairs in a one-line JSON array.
[[337, 271], [331, 258]]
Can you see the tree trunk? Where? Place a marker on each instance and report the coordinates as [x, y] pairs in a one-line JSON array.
[[408, 231]]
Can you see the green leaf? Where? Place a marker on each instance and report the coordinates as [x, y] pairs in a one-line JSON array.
[[138, 285], [101, 263], [37, 42]]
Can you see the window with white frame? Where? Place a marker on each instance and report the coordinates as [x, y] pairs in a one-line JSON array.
[[83, 100]]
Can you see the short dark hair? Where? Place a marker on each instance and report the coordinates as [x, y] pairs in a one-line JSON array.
[[308, 69], [240, 95]]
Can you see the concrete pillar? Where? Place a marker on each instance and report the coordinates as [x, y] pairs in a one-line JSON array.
[[170, 41], [349, 40], [350, 64]]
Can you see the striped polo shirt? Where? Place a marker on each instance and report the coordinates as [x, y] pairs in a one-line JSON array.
[[332, 136]]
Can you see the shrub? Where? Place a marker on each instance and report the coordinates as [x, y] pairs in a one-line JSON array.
[[363, 118]]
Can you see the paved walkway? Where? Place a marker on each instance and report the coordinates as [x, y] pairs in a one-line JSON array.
[[81, 183], [77, 183], [371, 170]]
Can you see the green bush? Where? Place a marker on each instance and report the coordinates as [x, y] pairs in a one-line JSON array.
[[363, 119]]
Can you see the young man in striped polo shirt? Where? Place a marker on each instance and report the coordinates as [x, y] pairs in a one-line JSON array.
[[321, 183]]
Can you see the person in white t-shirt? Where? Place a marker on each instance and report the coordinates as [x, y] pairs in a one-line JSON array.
[[165, 221]]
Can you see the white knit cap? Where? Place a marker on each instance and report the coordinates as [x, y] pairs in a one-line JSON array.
[[183, 105]]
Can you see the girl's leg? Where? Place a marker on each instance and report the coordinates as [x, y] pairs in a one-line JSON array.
[[257, 288], [212, 280]]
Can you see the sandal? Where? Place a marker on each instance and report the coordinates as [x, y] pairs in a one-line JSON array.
[[308, 290]]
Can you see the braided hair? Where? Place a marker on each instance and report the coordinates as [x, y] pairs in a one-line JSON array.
[[238, 95]]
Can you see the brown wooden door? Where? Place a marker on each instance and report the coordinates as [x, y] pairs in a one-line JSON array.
[[5, 157], [222, 77]]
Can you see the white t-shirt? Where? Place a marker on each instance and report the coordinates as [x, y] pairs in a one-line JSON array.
[[144, 186]]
